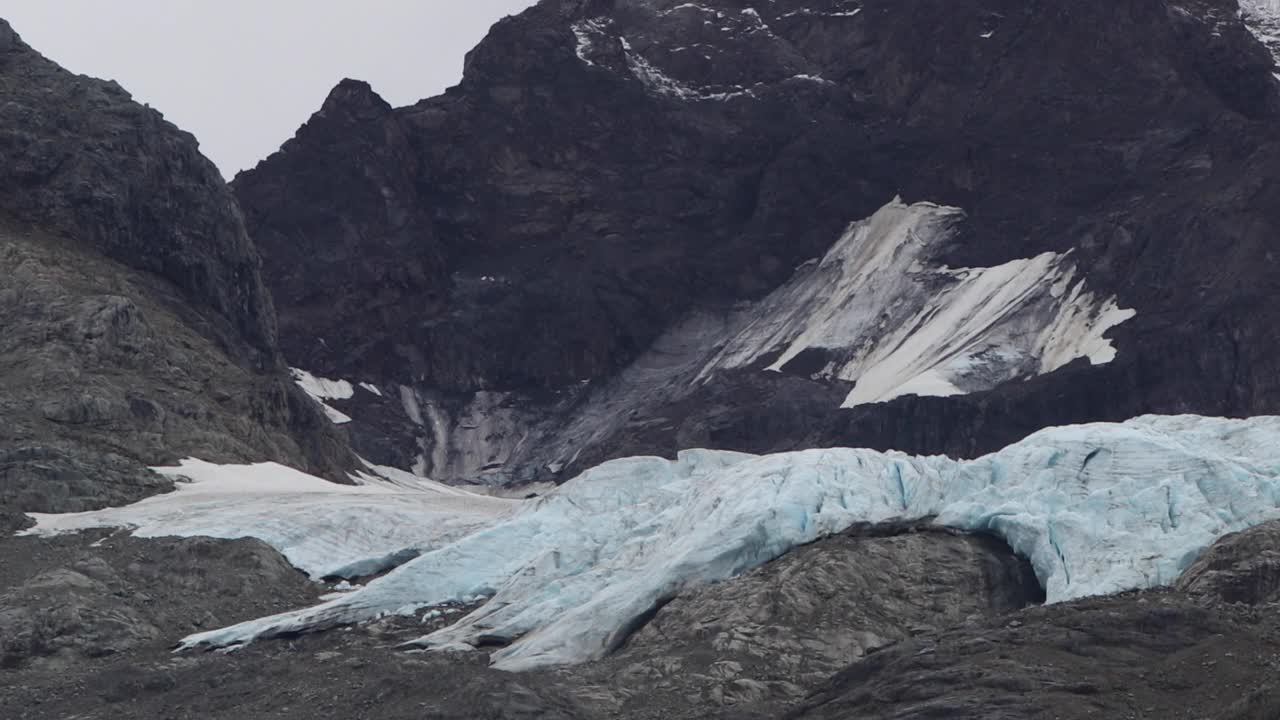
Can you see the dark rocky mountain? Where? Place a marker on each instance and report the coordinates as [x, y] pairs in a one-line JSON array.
[[539, 262], [638, 226], [137, 329]]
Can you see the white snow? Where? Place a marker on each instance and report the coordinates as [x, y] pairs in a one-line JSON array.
[[583, 31], [813, 78], [1262, 17], [886, 318], [1096, 508], [321, 389], [322, 528], [371, 388], [809, 12], [397, 479]]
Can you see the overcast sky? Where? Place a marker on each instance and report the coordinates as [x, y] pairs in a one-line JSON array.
[[244, 74]]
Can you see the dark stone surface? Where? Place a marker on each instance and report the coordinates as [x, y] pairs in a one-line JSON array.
[[1242, 567], [1202, 650], [760, 642], [83, 160], [69, 599], [1140, 655]]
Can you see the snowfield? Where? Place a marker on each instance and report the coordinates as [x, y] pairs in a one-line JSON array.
[[322, 528], [1096, 508], [878, 311]]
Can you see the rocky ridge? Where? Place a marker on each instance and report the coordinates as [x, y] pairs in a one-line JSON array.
[[137, 329]]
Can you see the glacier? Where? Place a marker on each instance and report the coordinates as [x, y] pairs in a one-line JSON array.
[[1096, 508]]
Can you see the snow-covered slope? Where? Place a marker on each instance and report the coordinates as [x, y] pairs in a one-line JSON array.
[[324, 529], [1096, 508], [1262, 17], [877, 311]]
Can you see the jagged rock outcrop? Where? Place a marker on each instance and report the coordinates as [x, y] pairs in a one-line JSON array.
[[392, 274], [1194, 651], [83, 160], [137, 329], [610, 171]]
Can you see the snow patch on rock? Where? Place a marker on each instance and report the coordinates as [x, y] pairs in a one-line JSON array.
[[659, 83], [876, 311], [1262, 17], [322, 389], [584, 31]]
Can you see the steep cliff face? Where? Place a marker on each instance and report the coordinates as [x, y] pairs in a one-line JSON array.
[[522, 255], [137, 329], [83, 160]]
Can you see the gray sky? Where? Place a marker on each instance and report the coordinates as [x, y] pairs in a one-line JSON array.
[[244, 74]]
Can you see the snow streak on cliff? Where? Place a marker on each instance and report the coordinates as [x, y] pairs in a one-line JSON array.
[[879, 312]]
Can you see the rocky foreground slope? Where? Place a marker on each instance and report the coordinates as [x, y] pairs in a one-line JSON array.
[[537, 267]]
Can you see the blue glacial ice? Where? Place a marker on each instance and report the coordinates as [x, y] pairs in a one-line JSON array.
[[1096, 508]]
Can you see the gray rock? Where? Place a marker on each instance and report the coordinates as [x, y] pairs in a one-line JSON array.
[[97, 595], [137, 330], [106, 372], [762, 641], [1243, 567], [7, 36]]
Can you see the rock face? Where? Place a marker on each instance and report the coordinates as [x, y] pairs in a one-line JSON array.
[[73, 599], [137, 330], [518, 261], [1188, 652], [83, 160], [761, 641], [1154, 655], [1240, 568]]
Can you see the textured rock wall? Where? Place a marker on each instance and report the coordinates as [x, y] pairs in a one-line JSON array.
[[136, 327], [607, 168]]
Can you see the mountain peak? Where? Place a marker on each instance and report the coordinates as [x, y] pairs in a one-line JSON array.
[[7, 35], [354, 100]]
